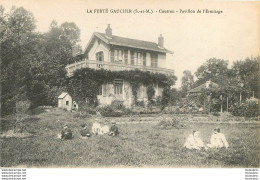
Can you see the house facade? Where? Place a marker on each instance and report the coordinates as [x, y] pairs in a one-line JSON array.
[[114, 53]]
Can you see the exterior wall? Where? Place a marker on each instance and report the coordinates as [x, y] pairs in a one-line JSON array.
[[69, 99], [162, 60], [108, 89], [62, 103], [97, 47], [161, 57], [127, 97]]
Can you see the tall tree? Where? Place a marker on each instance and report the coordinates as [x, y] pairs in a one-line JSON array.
[[17, 47], [246, 74], [187, 82], [214, 69]]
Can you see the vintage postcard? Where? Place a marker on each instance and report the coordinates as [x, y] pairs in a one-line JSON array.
[[119, 84]]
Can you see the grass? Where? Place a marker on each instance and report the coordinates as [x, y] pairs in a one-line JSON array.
[[137, 145]]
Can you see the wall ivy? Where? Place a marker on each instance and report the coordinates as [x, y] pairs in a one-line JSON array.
[[84, 83]]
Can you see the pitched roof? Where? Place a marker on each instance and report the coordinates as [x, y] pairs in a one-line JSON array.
[[200, 88], [62, 95], [127, 42]]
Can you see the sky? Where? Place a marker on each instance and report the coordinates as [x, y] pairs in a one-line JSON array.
[[232, 35]]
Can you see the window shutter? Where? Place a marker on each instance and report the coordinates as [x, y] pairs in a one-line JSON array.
[[144, 59], [132, 58], [126, 56]]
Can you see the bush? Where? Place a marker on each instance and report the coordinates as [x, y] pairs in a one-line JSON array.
[[140, 103], [108, 111], [172, 110], [150, 92], [116, 104], [247, 109], [167, 122], [215, 114]]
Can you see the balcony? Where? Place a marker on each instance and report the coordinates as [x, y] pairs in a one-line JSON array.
[[114, 67]]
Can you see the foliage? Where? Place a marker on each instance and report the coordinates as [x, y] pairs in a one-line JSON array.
[[187, 82], [84, 82], [108, 111], [140, 103], [214, 69], [175, 122], [166, 97], [150, 92], [247, 109], [118, 105], [246, 74], [32, 61], [22, 108]]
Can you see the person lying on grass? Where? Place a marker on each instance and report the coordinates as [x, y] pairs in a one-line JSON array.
[[113, 131], [104, 130], [85, 132], [66, 133], [193, 141], [218, 140]]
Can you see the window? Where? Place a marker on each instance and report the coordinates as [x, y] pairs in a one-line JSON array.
[[118, 55], [100, 56], [118, 86], [154, 60], [67, 103], [100, 59], [139, 58]]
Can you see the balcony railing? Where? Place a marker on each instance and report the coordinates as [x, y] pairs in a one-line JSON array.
[[113, 67]]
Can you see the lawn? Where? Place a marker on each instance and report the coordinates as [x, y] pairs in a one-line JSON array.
[[137, 145]]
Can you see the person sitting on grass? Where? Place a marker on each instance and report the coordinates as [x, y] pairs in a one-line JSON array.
[[96, 127], [113, 131], [193, 141], [66, 133], [84, 132], [218, 140]]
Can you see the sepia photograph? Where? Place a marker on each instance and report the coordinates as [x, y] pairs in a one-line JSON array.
[[134, 84]]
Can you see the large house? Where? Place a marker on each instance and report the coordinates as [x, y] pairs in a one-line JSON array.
[[114, 53]]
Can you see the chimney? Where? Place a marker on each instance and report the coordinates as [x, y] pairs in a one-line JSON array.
[[161, 41], [208, 84], [108, 31]]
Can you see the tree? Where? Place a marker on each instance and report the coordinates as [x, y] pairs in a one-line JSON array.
[[187, 82], [17, 46], [166, 96], [246, 74], [214, 69]]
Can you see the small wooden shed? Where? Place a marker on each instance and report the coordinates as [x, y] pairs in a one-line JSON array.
[[65, 101]]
